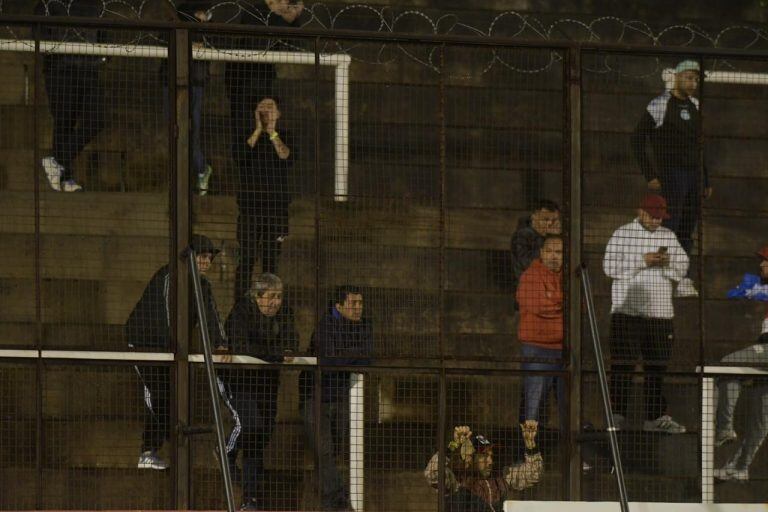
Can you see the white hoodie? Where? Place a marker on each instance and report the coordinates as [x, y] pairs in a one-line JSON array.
[[640, 290]]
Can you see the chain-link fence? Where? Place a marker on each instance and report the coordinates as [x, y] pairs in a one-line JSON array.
[[388, 230]]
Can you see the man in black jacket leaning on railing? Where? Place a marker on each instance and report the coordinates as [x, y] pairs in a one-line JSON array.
[[261, 326]]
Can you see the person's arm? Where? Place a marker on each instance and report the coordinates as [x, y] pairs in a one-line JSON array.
[[677, 267], [289, 12], [281, 148], [532, 296], [621, 261], [432, 474], [215, 328], [254, 137], [237, 331], [528, 473], [639, 140]]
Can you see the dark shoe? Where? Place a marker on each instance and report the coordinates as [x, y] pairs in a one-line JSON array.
[[249, 505]]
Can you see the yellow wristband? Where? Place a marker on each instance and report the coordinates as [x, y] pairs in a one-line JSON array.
[[274, 136]]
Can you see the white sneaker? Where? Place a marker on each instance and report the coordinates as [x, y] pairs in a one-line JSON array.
[[730, 473], [725, 436], [686, 289], [149, 460], [53, 171], [664, 424], [70, 186]]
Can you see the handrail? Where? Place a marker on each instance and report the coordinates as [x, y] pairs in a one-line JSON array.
[[604, 393], [212, 383]]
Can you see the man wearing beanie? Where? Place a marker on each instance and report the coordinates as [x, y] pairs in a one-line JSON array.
[[645, 261], [670, 125], [149, 328]]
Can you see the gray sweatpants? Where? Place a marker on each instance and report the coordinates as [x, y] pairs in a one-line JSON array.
[[728, 391]]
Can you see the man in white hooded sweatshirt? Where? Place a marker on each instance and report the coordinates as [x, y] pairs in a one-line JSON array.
[[645, 261]]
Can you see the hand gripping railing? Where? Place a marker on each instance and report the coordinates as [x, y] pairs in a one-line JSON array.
[[604, 393], [211, 373]]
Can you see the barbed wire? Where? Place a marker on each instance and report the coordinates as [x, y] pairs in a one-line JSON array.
[[507, 24]]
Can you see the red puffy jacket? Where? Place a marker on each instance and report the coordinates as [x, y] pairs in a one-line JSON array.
[[540, 296]]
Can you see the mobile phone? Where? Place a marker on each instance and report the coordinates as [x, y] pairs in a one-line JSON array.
[[662, 250]]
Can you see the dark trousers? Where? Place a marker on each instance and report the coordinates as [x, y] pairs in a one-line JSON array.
[[333, 442], [261, 221], [155, 386], [74, 98], [683, 203], [251, 396], [632, 339], [465, 501], [536, 387]]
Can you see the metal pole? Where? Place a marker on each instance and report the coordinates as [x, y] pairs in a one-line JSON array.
[[604, 393], [212, 384]]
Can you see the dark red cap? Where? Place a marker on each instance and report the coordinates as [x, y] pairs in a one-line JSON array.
[[655, 205], [763, 253]]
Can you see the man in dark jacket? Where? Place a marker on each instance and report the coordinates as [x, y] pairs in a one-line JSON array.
[[342, 338], [529, 237], [258, 326], [148, 328], [671, 126], [74, 94]]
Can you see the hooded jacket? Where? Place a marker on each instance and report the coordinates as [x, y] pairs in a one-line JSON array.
[[149, 324], [540, 296]]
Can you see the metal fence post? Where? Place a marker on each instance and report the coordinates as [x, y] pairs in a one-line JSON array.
[[572, 196], [179, 57]]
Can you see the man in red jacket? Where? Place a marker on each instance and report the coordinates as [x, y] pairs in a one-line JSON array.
[[540, 295]]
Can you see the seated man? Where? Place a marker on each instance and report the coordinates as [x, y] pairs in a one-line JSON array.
[[259, 326], [540, 331], [343, 337], [470, 483], [148, 328], [728, 391]]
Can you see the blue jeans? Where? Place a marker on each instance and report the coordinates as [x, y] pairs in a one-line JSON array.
[[537, 386]]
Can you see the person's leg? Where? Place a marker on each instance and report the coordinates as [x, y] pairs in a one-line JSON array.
[[247, 238], [59, 86], [86, 104], [656, 348], [757, 425], [156, 388], [196, 110], [331, 483], [266, 395], [537, 386], [728, 391], [273, 228], [675, 195], [233, 438], [622, 342], [245, 403]]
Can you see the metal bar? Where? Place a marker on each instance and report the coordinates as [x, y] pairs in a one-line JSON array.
[[105, 356], [708, 440], [213, 387], [161, 52], [441, 412], [341, 174], [604, 393], [572, 172], [706, 471], [316, 405], [395, 37], [357, 442], [180, 234], [39, 368]]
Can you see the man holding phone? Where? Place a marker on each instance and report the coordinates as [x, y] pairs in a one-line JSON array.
[[645, 261]]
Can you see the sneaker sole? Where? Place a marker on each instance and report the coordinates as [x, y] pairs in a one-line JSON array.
[[147, 465]]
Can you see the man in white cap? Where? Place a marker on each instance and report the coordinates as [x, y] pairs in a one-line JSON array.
[[670, 125]]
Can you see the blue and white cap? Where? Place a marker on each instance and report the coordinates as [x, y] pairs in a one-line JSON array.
[[687, 65]]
